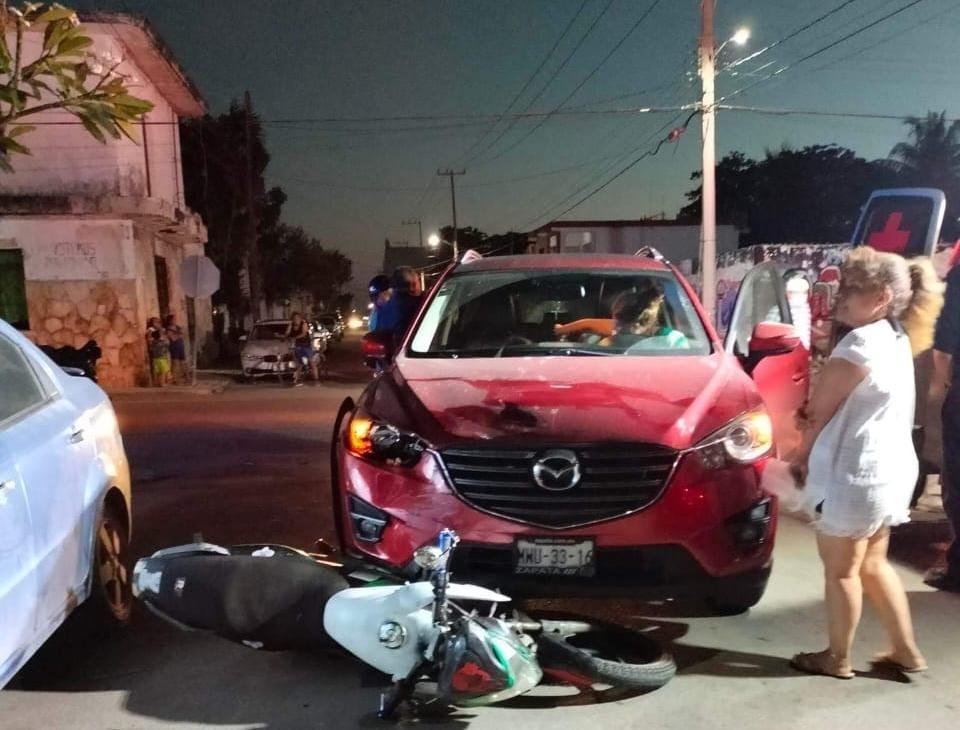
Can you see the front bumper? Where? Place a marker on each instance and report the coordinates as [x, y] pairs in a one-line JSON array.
[[689, 542], [253, 367]]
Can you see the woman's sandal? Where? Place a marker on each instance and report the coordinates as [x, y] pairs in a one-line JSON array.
[[820, 663], [887, 660]]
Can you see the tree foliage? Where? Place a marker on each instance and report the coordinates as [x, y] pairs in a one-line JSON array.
[[65, 76], [215, 170], [293, 261], [814, 194], [810, 195], [931, 159]]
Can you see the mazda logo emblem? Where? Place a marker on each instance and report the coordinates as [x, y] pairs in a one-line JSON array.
[[557, 470]]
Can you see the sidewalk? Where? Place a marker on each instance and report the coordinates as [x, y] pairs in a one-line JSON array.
[[209, 382]]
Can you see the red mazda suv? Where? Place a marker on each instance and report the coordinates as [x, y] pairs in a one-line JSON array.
[[579, 423]]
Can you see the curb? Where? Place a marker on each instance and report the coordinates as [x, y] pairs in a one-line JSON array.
[[200, 389]]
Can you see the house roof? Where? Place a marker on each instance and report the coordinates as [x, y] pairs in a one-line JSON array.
[[154, 58]]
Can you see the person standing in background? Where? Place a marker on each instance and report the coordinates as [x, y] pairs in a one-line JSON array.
[[946, 350], [178, 349]]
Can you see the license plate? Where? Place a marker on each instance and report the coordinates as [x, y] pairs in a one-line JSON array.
[[555, 556]]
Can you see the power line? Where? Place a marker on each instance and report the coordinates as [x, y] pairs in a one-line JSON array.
[[823, 49], [885, 39], [464, 120], [623, 171], [550, 80], [791, 35], [622, 155], [484, 184], [772, 111], [582, 83], [526, 86]]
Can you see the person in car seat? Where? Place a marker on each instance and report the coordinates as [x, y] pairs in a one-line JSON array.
[[637, 322]]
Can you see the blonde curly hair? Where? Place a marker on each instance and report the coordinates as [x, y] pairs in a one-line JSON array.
[[916, 292]]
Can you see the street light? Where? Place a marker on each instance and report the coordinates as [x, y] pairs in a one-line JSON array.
[[741, 36], [434, 240]]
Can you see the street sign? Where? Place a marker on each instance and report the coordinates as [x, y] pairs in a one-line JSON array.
[[199, 277]]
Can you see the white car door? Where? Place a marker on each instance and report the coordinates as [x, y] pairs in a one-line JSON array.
[[56, 458], [20, 395]]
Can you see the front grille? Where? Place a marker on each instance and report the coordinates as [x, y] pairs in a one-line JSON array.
[[615, 480]]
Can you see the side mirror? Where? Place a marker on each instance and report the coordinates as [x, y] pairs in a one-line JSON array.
[[773, 338], [375, 347]]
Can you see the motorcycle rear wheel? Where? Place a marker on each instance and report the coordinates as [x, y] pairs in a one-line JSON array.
[[606, 655]]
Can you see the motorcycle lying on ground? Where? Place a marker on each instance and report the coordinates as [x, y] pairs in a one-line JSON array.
[[442, 643]]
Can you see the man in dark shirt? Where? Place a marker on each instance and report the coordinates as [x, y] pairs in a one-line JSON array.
[[946, 351], [405, 300]]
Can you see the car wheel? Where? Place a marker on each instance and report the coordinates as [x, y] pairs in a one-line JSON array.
[[111, 591]]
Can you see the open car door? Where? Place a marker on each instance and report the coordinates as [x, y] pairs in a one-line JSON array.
[[762, 337]]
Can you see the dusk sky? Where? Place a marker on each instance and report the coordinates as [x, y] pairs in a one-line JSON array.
[[351, 183]]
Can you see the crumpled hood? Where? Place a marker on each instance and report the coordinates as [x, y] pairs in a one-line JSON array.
[[260, 348], [674, 401]]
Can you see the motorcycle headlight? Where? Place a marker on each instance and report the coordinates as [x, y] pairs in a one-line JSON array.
[[369, 438], [744, 440]]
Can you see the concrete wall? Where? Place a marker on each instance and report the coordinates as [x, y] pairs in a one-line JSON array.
[[66, 160], [96, 279], [674, 242]]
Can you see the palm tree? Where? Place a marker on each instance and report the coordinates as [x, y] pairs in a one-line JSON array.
[[932, 156]]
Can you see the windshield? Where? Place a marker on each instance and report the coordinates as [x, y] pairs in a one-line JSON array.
[[269, 331], [568, 312]]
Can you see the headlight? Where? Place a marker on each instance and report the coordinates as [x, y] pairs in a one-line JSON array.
[[373, 439], [742, 441]]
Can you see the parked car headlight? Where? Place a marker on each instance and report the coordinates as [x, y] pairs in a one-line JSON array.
[[744, 440], [369, 438]]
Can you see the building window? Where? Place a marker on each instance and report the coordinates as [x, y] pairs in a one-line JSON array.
[[163, 285], [554, 242], [13, 289]]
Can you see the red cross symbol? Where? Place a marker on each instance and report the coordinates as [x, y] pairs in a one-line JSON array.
[[891, 239]]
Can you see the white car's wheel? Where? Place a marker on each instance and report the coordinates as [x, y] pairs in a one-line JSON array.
[[112, 566]]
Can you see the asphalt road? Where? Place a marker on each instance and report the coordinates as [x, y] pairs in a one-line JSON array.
[[250, 464]]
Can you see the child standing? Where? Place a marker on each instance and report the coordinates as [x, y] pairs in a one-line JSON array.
[[159, 358]]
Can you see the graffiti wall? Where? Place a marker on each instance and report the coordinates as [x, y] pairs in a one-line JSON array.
[[816, 264]]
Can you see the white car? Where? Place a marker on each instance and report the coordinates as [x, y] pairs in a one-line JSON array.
[[64, 501], [266, 351]]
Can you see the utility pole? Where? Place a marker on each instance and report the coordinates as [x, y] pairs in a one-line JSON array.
[[708, 194], [453, 201], [253, 253], [419, 224]]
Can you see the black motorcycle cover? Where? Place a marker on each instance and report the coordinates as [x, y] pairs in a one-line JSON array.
[[273, 603]]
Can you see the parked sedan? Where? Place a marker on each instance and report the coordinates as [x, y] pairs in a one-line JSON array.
[[266, 351], [64, 501], [333, 323]]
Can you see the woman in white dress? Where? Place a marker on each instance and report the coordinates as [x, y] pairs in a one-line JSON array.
[[857, 460]]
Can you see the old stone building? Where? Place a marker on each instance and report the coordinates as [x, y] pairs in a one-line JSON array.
[[92, 235]]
